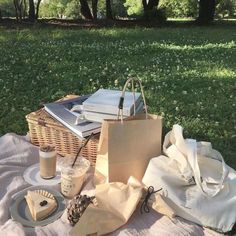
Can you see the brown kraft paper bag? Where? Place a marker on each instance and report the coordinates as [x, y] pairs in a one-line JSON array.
[[116, 202], [126, 146]]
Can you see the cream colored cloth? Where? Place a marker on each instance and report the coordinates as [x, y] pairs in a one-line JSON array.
[[16, 154]]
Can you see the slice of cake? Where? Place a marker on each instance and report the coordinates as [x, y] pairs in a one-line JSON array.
[[41, 203]]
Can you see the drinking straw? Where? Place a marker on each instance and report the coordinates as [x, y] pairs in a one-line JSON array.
[[85, 143]]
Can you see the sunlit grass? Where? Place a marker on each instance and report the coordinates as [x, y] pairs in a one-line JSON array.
[[188, 74]]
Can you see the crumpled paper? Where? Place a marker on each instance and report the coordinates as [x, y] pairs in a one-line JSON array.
[[116, 202]]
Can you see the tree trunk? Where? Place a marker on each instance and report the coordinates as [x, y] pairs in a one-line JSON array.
[[150, 8], [20, 8], [24, 9], [108, 10], [0, 15], [37, 9], [31, 11], [85, 10], [144, 2], [206, 11], [95, 8], [16, 9]]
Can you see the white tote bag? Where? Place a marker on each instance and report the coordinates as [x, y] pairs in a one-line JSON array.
[[196, 182]]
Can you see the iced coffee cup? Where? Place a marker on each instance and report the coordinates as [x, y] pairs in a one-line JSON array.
[[72, 178], [47, 160]]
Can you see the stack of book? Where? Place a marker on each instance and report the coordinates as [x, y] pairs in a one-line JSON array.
[[84, 115], [103, 105]]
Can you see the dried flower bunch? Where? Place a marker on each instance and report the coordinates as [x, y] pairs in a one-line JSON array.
[[77, 206]]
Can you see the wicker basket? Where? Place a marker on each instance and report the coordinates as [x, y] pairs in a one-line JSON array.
[[44, 130]]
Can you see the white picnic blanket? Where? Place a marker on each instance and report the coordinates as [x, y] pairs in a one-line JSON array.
[[17, 153]]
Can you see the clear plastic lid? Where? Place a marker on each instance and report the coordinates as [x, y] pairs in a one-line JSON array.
[[80, 167]]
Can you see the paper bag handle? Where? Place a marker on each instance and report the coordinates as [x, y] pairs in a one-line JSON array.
[[121, 102]]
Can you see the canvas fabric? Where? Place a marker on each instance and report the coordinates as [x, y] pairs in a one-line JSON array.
[[197, 184]]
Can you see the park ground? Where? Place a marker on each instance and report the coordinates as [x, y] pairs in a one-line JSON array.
[[188, 73]]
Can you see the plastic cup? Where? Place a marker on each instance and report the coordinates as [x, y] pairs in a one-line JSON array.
[[72, 178]]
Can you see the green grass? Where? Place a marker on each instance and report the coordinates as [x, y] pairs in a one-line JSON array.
[[189, 74]]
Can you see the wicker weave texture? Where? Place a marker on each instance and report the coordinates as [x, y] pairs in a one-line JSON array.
[[44, 130]]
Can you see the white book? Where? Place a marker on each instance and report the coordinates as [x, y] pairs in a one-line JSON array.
[[99, 117], [61, 111], [107, 101]]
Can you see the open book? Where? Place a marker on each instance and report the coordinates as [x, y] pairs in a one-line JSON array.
[[63, 112]]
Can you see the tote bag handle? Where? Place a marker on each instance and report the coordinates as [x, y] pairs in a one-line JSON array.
[[186, 151], [121, 102]]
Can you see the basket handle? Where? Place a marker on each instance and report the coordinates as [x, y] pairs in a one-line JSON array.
[[121, 102]]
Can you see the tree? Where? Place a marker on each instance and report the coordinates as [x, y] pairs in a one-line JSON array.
[[118, 8], [150, 8], [85, 10], [33, 10], [180, 8], [72, 9], [206, 11], [225, 8], [134, 8], [88, 14], [32, 16], [146, 8], [37, 9], [95, 8], [18, 4], [7, 8], [108, 10]]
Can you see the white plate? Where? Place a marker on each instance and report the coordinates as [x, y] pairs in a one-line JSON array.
[[32, 176]]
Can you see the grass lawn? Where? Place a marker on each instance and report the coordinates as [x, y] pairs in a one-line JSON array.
[[189, 74]]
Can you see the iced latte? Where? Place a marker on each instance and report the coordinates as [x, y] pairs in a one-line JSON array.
[[47, 159], [72, 178]]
